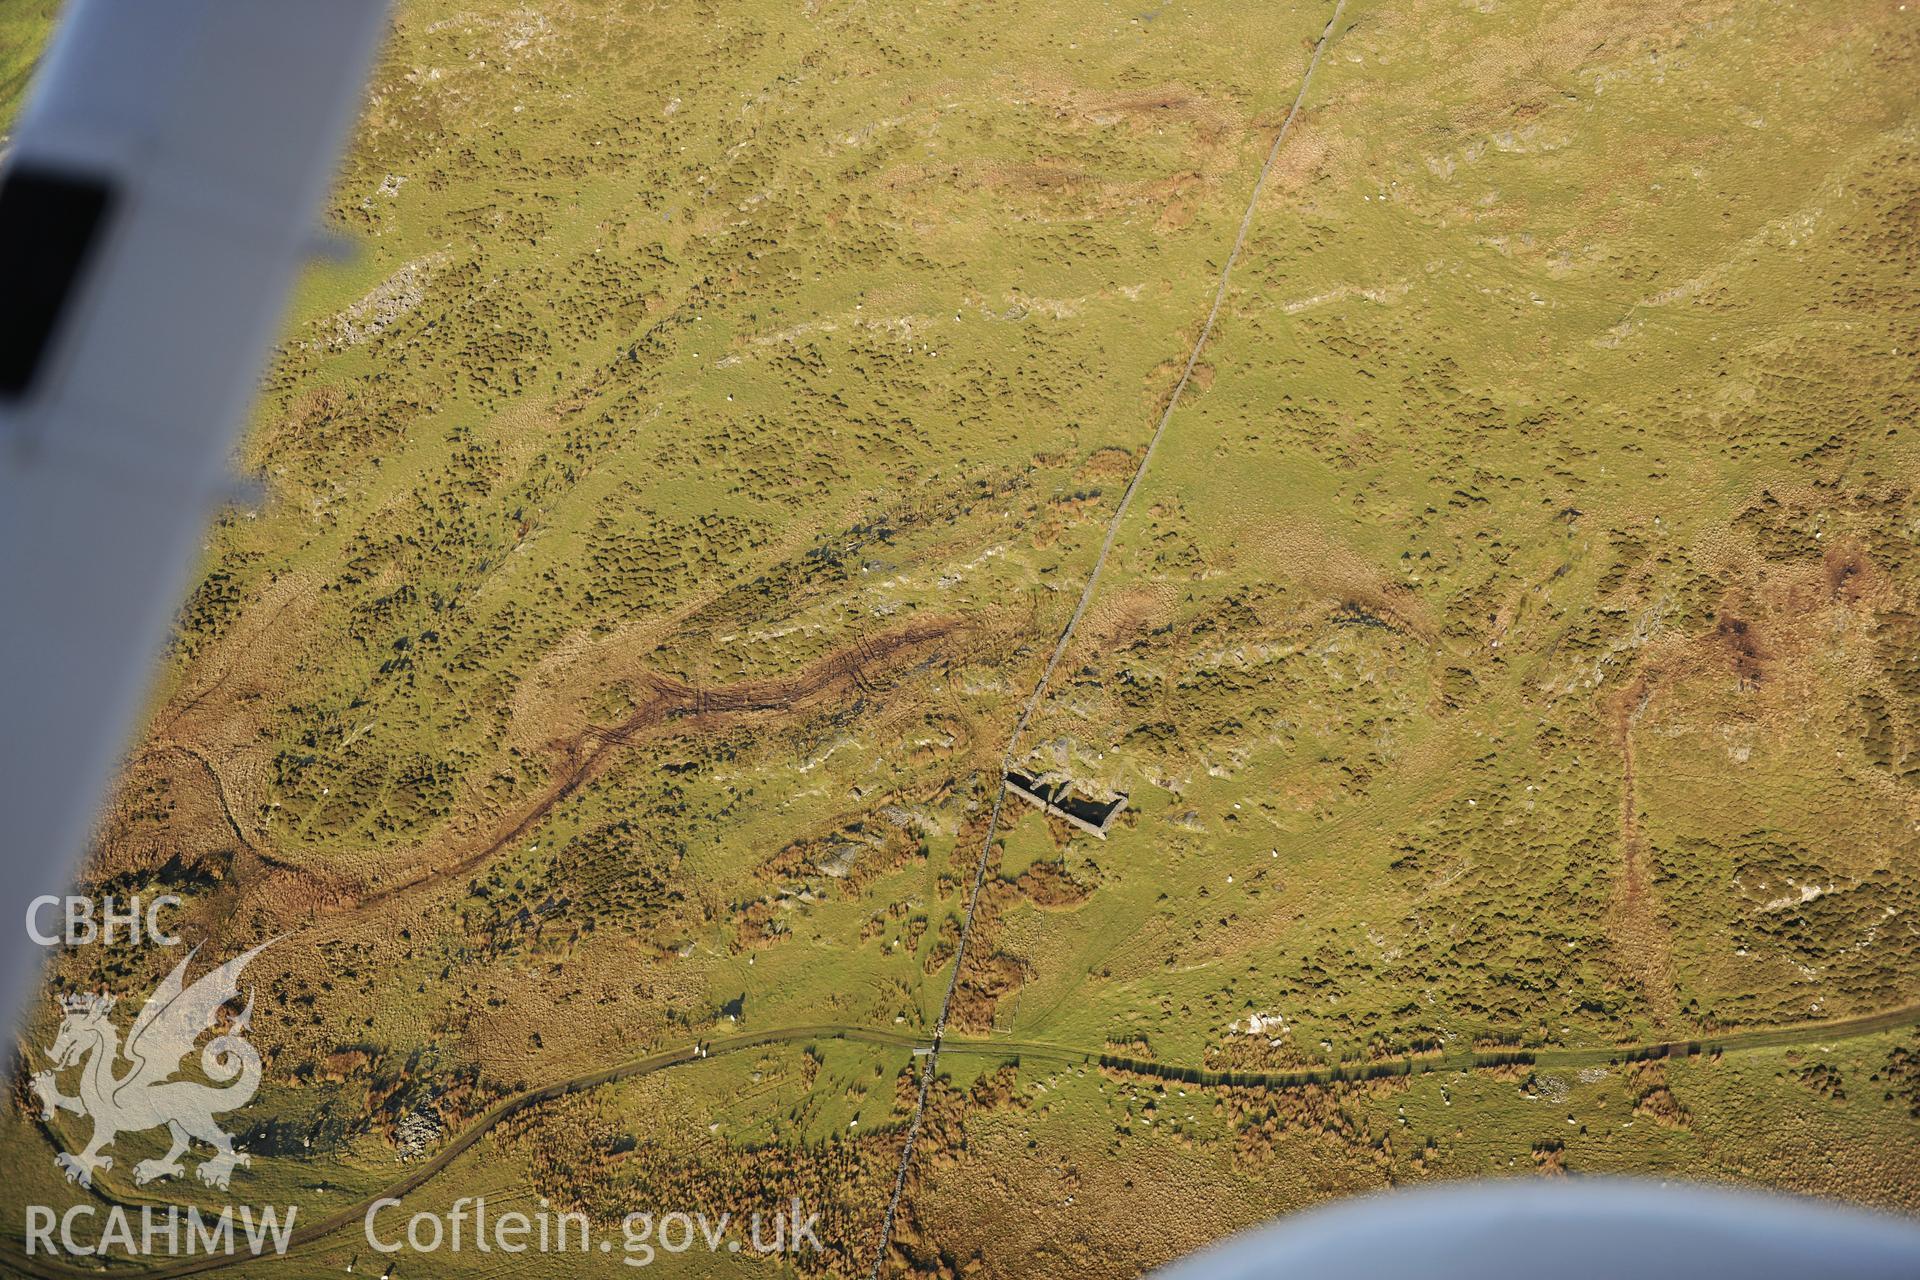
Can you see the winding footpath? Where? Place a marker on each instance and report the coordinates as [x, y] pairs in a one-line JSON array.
[[1006, 1050]]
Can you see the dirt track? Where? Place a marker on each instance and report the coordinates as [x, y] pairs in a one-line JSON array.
[[1639, 933], [419, 1175]]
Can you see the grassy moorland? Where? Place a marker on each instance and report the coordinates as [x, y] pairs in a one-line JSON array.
[[1510, 646]]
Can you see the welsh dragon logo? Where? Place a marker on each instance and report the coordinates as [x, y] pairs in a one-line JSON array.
[[146, 1095]]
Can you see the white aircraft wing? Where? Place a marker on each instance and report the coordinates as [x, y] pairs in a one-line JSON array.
[[1568, 1228], [157, 200]]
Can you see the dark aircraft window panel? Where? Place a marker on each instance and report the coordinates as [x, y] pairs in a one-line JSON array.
[[50, 227]]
